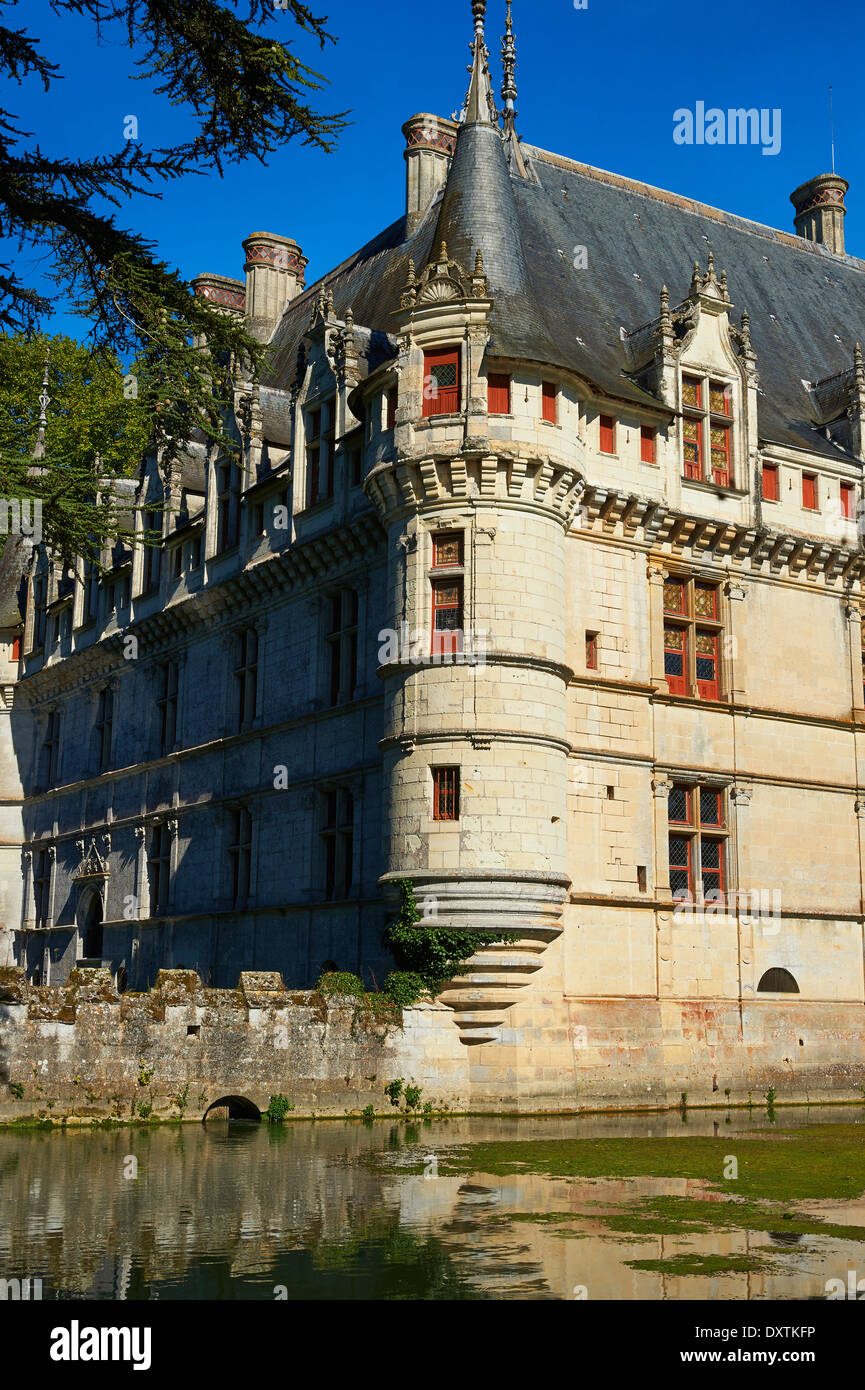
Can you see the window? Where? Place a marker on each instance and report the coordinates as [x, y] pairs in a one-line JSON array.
[[240, 855], [647, 444], [707, 409], [447, 548], [227, 506], [337, 835], [770, 482], [607, 429], [193, 553], [90, 578], [15, 654], [159, 869], [342, 646], [175, 564], [320, 448], [692, 637], [246, 676], [592, 651], [392, 399], [441, 381], [166, 704], [848, 501], [152, 527], [777, 981], [355, 465], [41, 886], [104, 728], [446, 793], [51, 749], [447, 616], [809, 491], [697, 841], [549, 402], [498, 393], [40, 594]]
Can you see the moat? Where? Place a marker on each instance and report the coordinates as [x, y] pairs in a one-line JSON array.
[[705, 1205]]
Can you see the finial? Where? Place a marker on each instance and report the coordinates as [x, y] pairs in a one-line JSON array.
[[479, 9], [349, 319], [44, 402], [710, 269], [509, 63], [443, 251], [858, 366], [479, 262]]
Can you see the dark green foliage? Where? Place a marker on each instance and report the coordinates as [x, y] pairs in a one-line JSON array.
[[341, 982], [405, 987], [412, 1097], [235, 76], [433, 953]]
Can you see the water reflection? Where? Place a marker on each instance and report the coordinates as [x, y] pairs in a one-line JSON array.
[[236, 1211]]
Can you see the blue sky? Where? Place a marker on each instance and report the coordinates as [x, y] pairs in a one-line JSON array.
[[598, 84]]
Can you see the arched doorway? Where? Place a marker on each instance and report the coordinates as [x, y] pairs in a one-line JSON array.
[[232, 1108], [90, 924]]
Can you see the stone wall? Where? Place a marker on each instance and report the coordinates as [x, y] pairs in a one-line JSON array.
[[81, 1052]]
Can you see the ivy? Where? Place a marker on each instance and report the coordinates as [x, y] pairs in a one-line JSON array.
[[432, 955]]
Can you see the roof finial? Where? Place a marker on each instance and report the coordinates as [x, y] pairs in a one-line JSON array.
[[480, 106], [44, 402], [509, 63]]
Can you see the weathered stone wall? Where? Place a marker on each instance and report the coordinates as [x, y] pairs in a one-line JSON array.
[[81, 1052]]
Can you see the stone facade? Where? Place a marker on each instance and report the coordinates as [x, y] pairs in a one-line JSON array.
[[656, 715]]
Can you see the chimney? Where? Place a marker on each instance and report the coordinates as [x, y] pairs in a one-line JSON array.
[[220, 293], [429, 146], [820, 210], [274, 275]]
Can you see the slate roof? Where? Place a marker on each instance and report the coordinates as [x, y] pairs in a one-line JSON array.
[[636, 238]]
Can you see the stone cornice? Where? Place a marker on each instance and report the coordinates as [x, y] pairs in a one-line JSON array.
[[715, 539]]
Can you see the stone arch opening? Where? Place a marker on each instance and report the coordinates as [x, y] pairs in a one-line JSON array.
[[777, 981], [90, 914], [232, 1108]]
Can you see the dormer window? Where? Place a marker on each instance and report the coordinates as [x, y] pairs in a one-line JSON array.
[[441, 381], [320, 452], [707, 424]]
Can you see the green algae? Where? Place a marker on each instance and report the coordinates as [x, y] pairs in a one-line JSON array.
[[825, 1161], [704, 1265]]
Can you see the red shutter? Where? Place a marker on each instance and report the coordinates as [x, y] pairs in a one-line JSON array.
[[441, 381], [607, 427], [809, 491], [498, 393], [391, 407], [592, 651], [675, 659], [770, 482], [16, 649], [706, 657], [647, 444], [549, 394], [847, 500], [447, 616]]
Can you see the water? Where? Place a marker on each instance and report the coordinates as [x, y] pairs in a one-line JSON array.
[[321, 1211]]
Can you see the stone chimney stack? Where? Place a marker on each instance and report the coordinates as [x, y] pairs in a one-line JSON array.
[[274, 275], [429, 147], [820, 210]]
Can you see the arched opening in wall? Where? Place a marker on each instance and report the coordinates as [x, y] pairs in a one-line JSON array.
[[122, 980], [777, 981], [328, 967], [90, 924], [232, 1108]]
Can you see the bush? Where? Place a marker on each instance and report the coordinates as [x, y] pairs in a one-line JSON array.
[[405, 987], [341, 982], [278, 1109], [367, 1114], [393, 1090], [412, 1097]]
